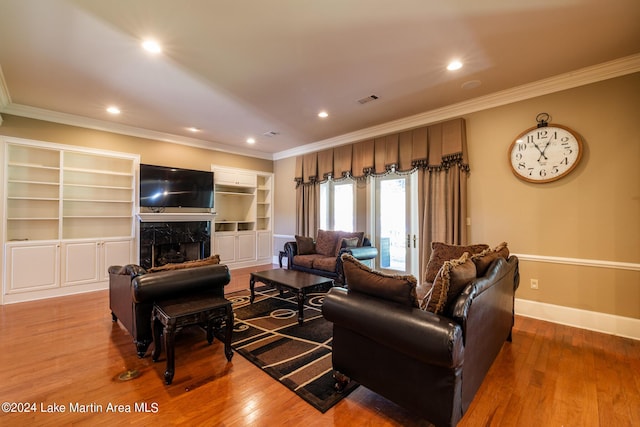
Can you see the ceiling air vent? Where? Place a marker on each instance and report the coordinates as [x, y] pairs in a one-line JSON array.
[[271, 134], [367, 99]]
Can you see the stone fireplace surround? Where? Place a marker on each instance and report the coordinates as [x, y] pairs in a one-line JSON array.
[[173, 239]]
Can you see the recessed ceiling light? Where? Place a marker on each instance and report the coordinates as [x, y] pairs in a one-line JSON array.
[[454, 65], [113, 110], [323, 114], [151, 46], [251, 141], [193, 129]]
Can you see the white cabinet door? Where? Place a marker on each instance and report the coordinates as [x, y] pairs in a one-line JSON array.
[[80, 262], [115, 252], [234, 178], [246, 247], [225, 246], [32, 266], [264, 245]]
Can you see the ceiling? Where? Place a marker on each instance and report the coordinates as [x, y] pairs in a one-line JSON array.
[[265, 68]]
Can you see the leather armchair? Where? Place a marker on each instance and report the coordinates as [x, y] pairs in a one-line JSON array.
[[430, 364], [132, 292]]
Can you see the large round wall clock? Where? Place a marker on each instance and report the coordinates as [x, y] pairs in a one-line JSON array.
[[545, 153]]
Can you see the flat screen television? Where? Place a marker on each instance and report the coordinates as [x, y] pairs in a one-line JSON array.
[[162, 187]]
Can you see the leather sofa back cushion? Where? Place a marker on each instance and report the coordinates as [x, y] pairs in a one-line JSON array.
[[486, 257], [452, 278], [214, 259], [441, 252], [360, 278], [305, 245], [326, 242]]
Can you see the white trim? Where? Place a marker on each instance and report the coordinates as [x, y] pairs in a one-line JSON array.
[[581, 262], [105, 126], [627, 327], [593, 74]]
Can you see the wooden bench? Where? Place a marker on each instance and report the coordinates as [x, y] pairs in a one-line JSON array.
[[170, 316]]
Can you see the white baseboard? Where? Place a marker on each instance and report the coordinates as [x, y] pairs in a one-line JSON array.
[[600, 322]]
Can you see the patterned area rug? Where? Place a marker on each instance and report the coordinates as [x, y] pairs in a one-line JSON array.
[[267, 333]]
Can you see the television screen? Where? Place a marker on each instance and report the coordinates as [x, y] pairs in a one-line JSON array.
[[173, 187]]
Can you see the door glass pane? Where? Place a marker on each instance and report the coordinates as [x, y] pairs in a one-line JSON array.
[[343, 215], [393, 231]]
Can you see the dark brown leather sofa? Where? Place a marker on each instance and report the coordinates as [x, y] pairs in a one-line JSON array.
[[132, 292], [431, 364]]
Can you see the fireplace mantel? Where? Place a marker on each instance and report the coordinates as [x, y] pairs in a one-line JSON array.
[[175, 217]]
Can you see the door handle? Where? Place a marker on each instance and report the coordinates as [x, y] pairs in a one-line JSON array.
[[408, 240], [414, 241]]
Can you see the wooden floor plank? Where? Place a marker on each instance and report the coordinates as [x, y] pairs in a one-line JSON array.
[[67, 351]]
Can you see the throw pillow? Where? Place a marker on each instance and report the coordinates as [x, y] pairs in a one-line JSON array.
[[359, 235], [441, 252], [305, 245], [326, 242], [452, 278], [396, 288], [348, 242], [486, 257], [214, 259]]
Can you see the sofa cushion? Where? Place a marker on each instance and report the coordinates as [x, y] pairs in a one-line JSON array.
[[213, 259], [326, 242], [360, 278], [325, 263], [483, 259], [452, 278], [305, 261], [441, 252], [305, 245]]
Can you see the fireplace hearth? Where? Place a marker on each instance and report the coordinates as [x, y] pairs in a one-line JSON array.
[[174, 242]]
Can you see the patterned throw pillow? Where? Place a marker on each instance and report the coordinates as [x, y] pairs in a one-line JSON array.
[[326, 242], [305, 245], [452, 278], [486, 257], [214, 259], [396, 288], [441, 252]]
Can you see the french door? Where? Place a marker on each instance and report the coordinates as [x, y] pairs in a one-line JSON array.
[[395, 213]]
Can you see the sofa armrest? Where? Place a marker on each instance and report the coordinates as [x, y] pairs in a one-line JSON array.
[[290, 250], [170, 284], [360, 253], [132, 270], [419, 334]]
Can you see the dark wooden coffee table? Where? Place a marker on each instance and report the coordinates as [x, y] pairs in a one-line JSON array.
[[291, 280]]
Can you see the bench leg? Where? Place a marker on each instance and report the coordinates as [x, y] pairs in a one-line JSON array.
[[228, 330], [169, 333]]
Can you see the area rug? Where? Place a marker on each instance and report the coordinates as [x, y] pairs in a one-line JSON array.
[[267, 333]]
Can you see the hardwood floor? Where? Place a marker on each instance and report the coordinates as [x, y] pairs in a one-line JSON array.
[[66, 351]]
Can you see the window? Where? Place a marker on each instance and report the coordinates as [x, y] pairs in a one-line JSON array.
[[337, 205]]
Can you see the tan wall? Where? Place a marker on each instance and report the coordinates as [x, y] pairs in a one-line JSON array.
[[593, 214], [150, 151]]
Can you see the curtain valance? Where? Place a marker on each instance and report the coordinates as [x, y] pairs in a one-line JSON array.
[[433, 147]]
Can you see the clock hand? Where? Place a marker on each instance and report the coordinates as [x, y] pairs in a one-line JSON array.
[[543, 150]]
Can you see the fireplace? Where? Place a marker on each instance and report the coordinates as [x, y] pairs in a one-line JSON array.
[[174, 242]]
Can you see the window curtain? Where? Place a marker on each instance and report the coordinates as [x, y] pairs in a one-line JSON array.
[[438, 153]]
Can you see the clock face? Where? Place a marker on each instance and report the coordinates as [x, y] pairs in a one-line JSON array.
[[545, 154]]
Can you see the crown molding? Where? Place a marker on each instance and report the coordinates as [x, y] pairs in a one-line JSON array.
[[581, 77], [101, 125]]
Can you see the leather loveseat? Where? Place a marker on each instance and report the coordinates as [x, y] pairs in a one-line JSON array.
[[322, 255], [431, 364], [132, 292]]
